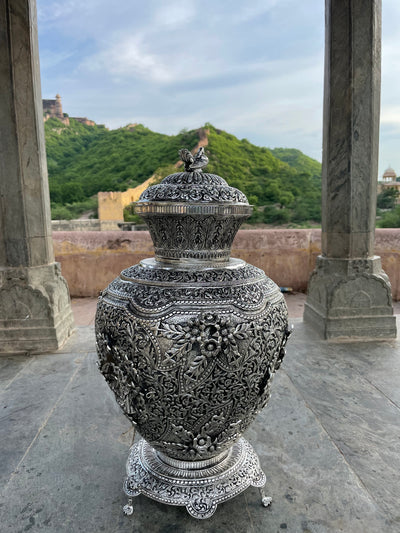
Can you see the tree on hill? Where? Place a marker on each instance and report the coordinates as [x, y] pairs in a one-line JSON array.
[[387, 198], [390, 219], [298, 160]]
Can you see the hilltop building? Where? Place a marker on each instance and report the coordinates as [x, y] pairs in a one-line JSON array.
[[389, 180], [389, 175], [53, 109]]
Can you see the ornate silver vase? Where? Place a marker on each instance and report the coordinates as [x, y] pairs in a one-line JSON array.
[[189, 342]]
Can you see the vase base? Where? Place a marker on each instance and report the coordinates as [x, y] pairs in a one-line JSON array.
[[199, 489]]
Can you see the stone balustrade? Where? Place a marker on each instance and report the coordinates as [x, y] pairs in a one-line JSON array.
[[91, 259]]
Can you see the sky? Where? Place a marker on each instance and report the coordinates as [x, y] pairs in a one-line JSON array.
[[254, 69]]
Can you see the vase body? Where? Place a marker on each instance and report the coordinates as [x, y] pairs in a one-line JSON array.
[[189, 353], [190, 340]]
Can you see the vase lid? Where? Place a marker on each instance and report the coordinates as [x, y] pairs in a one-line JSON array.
[[193, 186], [181, 210]]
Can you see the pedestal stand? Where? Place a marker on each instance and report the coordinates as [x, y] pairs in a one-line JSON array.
[[198, 485]]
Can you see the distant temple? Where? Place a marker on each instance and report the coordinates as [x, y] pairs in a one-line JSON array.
[[389, 175], [53, 109], [389, 180]]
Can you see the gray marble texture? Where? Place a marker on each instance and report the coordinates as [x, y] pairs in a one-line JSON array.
[[351, 127], [329, 443], [35, 310], [25, 232]]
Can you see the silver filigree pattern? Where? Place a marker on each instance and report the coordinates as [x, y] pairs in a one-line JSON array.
[[193, 187], [242, 271], [200, 236], [181, 485], [189, 343], [193, 215], [247, 293], [194, 385]]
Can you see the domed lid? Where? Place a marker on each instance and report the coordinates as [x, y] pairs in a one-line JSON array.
[[192, 186], [196, 186], [193, 214]]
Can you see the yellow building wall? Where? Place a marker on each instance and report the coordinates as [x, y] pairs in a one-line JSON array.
[[112, 204]]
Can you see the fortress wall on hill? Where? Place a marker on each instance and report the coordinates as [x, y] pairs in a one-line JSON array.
[[91, 259], [112, 204]]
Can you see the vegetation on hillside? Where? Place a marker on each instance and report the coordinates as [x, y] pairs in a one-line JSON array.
[[388, 211], [83, 160], [279, 191], [284, 185], [389, 219], [298, 160], [387, 198]]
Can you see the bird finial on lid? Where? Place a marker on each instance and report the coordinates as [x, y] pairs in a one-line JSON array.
[[193, 163]]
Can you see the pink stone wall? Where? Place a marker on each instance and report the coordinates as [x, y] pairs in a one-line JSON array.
[[91, 259]]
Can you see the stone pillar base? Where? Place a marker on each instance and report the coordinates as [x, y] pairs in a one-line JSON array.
[[35, 309], [350, 298]]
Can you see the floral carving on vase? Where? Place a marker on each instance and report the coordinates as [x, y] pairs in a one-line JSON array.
[[189, 341]]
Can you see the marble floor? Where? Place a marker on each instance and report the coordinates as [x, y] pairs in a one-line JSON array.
[[329, 443]]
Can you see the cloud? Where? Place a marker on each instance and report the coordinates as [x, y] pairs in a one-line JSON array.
[[248, 11], [52, 11], [253, 68], [390, 115], [128, 58], [51, 58], [131, 51], [174, 14]]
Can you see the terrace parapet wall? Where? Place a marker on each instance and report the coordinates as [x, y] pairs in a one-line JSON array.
[[90, 260]]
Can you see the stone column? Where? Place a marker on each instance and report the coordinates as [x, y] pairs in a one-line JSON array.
[[349, 295], [35, 310]]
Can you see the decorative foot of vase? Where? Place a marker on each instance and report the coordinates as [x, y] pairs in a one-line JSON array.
[[198, 485]]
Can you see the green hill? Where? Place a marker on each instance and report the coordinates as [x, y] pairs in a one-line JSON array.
[[298, 160], [283, 184], [281, 192]]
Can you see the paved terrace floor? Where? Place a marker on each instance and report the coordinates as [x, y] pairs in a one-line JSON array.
[[329, 442]]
